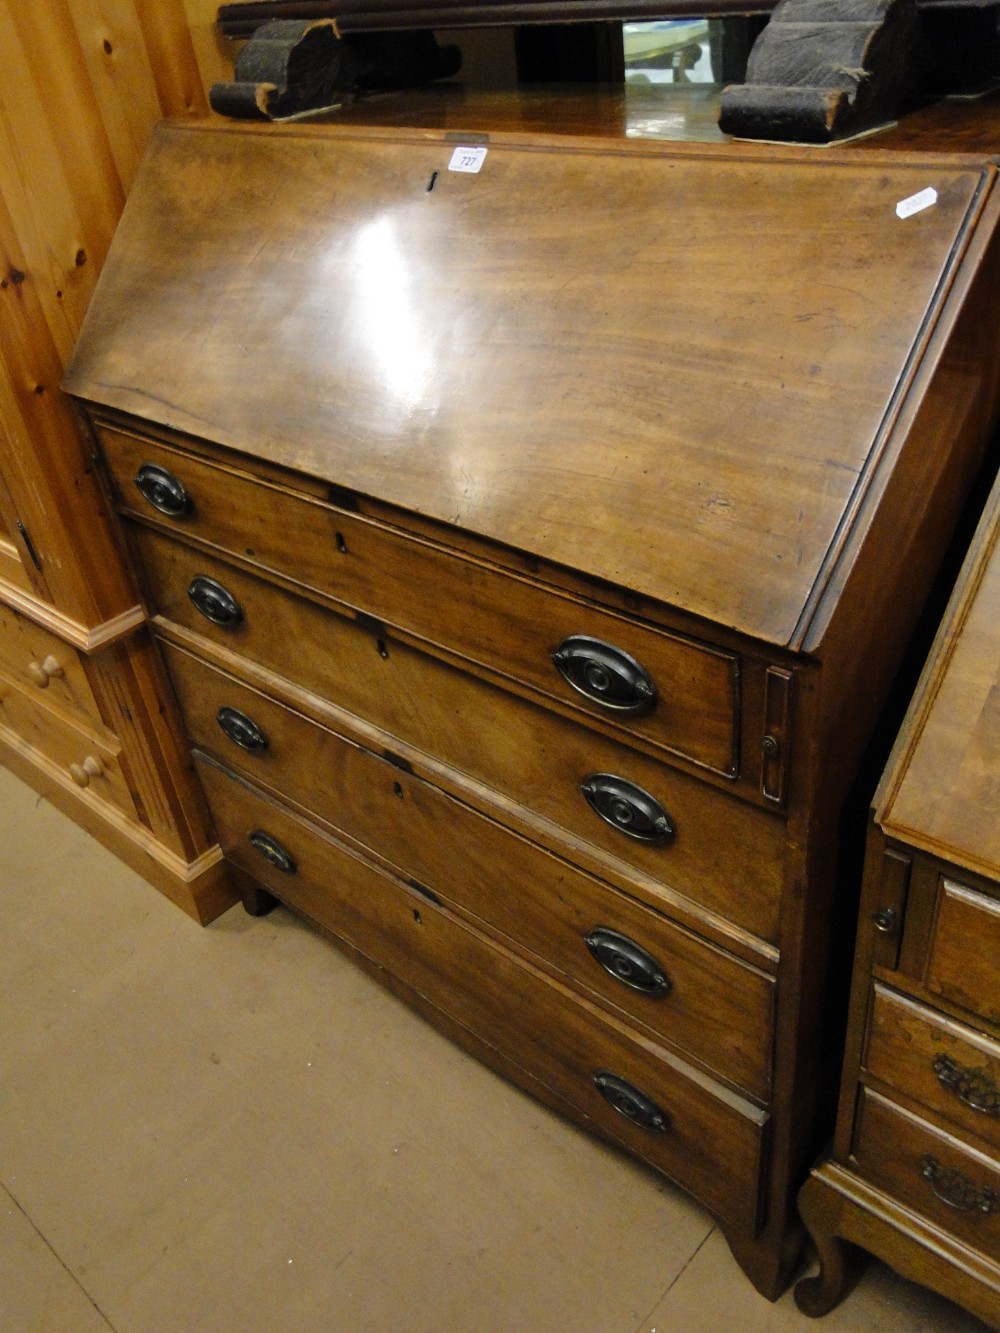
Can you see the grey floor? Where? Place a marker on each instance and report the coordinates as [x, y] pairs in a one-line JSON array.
[[232, 1129]]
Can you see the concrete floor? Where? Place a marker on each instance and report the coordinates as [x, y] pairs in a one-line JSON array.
[[233, 1129]]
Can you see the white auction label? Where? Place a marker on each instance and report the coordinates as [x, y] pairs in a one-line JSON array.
[[467, 159], [916, 203]]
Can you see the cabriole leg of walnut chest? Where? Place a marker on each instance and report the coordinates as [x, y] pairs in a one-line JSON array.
[[840, 1264]]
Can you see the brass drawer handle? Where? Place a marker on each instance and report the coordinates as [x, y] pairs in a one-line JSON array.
[[242, 730], [974, 1087], [628, 1101], [605, 675], [163, 491], [41, 673], [627, 962], [628, 808], [273, 852], [955, 1188], [215, 602]]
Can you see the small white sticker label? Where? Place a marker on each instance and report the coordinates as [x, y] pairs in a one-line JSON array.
[[916, 203], [467, 159]]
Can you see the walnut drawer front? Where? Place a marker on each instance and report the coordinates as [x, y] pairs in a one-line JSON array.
[[44, 665], [685, 697], [929, 1171], [539, 759], [708, 1139], [964, 948], [93, 764], [951, 1070], [690, 993]]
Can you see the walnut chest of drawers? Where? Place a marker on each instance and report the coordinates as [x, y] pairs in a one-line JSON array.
[[531, 551], [914, 1175]]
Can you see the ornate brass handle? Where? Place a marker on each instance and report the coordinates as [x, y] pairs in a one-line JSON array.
[[628, 808], [271, 850], [215, 602], [627, 962], [628, 1101], [604, 674], [163, 491], [974, 1087], [955, 1188]]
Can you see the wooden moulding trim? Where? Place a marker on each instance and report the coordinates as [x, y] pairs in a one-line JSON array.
[[889, 1212], [198, 887], [84, 639]]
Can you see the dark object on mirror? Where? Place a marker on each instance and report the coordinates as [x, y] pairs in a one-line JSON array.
[[960, 49], [570, 53], [825, 69], [296, 65]]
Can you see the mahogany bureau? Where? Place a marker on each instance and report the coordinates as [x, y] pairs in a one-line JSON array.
[[532, 526], [914, 1174]]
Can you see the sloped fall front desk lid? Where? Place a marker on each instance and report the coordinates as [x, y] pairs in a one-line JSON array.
[[673, 371]]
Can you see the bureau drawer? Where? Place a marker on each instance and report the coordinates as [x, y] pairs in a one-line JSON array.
[[723, 853], [92, 764], [711, 1142], [929, 1171], [714, 1007], [44, 665], [946, 1067], [964, 948], [479, 611]]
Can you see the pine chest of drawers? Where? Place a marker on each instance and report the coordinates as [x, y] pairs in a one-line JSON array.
[[531, 551], [914, 1175]]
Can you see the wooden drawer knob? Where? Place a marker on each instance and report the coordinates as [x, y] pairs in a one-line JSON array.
[[42, 672], [82, 773]]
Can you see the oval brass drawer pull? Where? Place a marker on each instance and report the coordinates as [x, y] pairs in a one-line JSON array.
[[955, 1188], [242, 730], [215, 602], [627, 962], [628, 808], [272, 851], [628, 1101], [604, 674], [973, 1087], [163, 491]]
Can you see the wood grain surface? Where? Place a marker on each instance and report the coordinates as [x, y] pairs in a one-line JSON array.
[[944, 792], [566, 369]]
